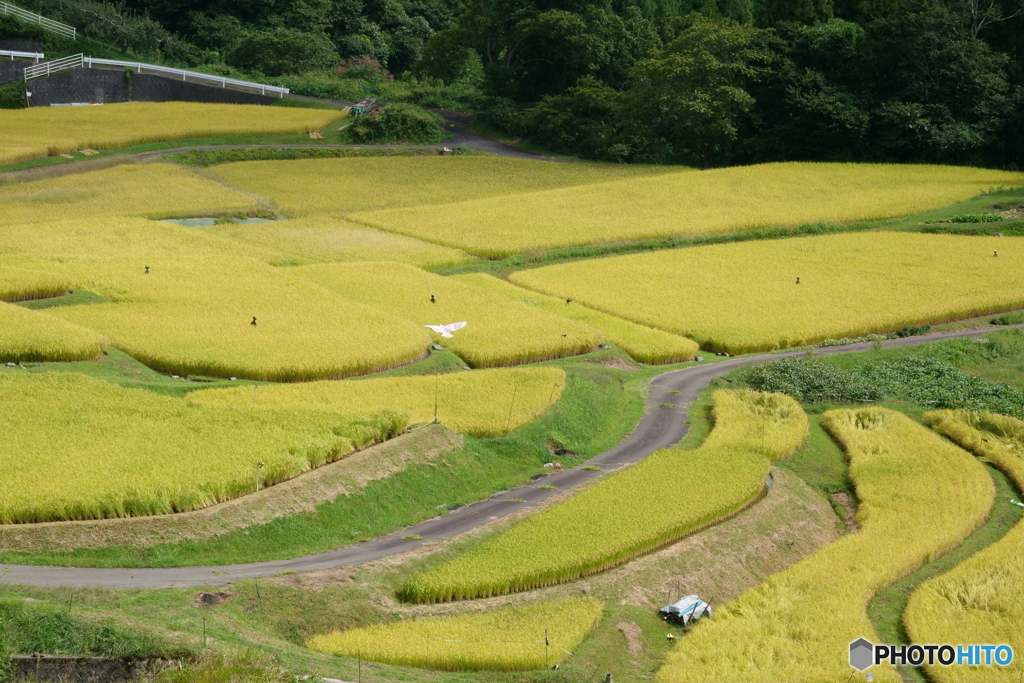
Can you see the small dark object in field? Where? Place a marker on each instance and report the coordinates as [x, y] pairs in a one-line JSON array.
[[568, 301], [997, 207], [995, 252], [432, 299], [253, 323], [722, 353], [798, 279], [147, 270], [213, 598]]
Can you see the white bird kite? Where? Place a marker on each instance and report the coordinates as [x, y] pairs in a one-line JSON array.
[[446, 330]]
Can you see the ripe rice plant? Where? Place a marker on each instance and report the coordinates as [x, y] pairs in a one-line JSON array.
[[982, 599], [238, 318], [919, 495], [313, 186], [321, 238], [22, 284], [150, 190], [632, 512], [499, 332], [28, 336], [520, 638], [688, 203], [645, 344], [46, 131], [757, 296], [79, 448], [482, 403]]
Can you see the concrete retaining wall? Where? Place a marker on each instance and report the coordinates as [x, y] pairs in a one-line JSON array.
[[21, 45], [11, 71], [109, 86]]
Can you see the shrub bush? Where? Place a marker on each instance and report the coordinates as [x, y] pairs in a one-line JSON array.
[[12, 96], [1015, 318], [400, 123], [279, 51]]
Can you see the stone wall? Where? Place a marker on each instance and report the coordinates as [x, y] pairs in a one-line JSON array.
[[11, 71], [21, 45], [49, 669], [110, 86]]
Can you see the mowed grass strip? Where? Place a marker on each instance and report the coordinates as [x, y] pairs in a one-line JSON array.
[[196, 317], [981, 600], [28, 336], [151, 190], [306, 187], [919, 496], [328, 238], [23, 284], [481, 403], [666, 496], [520, 638], [644, 344], [45, 131], [498, 331], [745, 297], [79, 448], [689, 203]]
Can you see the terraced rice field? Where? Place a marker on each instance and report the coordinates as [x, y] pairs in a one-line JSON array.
[[631, 512], [498, 331], [534, 636], [28, 336], [644, 344], [338, 186], [326, 238], [79, 448], [981, 600], [22, 284], [44, 131], [482, 403], [744, 297], [195, 317], [686, 203], [919, 495], [148, 190]]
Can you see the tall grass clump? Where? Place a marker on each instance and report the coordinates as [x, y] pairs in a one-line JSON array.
[[484, 403], [632, 512], [644, 344], [534, 636], [79, 448], [499, 332], [919, 496], [758, 296], [980, 600]]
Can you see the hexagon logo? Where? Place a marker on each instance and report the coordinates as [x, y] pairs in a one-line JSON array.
[[861, 654]]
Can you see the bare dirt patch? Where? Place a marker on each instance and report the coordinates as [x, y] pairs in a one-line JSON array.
[[633, 635], [846, 507]]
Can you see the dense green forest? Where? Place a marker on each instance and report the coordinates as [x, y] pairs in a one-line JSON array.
[[701, 82]]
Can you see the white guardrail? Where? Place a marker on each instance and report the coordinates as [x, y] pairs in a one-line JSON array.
[[48, 68], [184, 75], [14, 54], [41, 21], [76, 61]]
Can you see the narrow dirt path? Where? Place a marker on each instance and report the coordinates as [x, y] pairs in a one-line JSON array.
[[659, 428]]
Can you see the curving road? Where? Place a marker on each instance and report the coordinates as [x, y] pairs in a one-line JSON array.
[[659, 428]]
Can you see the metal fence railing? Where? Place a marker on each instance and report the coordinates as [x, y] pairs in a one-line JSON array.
[[41, 21], [76, 61], [14, 54], [190, 76], [48, 68]]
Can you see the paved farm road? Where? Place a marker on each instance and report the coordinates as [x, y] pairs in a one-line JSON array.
[[659, 428]]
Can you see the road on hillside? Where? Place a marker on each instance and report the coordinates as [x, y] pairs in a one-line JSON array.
[[461, 137], [659, 428]]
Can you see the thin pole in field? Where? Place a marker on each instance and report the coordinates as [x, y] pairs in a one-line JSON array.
[[547, 646], [509, 423], [552, 397], [435, 394]]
